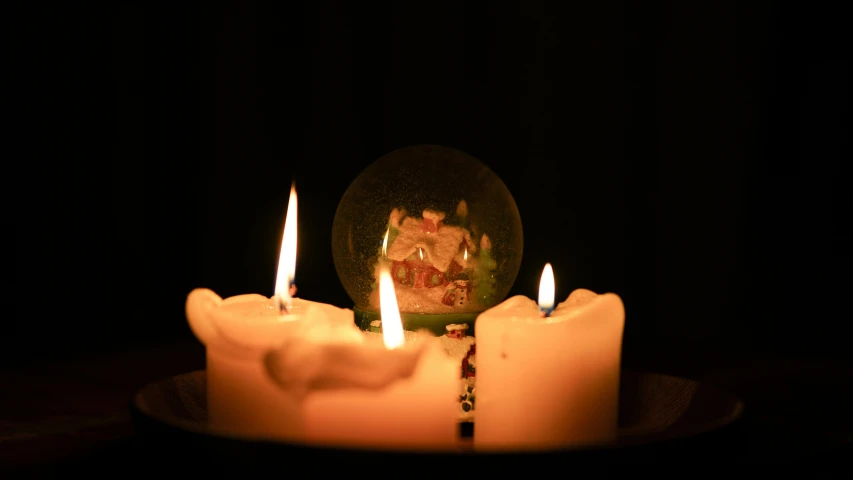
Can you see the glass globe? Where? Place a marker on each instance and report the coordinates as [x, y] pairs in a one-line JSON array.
[[443, 224]]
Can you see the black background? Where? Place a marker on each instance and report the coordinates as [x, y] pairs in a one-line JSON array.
[[687, 156]]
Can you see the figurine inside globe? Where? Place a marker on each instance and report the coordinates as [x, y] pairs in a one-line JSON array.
[[443, 224]]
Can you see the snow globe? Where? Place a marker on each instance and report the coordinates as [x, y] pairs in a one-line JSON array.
[[449, 231]]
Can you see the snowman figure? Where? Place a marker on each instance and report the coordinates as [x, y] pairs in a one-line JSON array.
[[456, 330]]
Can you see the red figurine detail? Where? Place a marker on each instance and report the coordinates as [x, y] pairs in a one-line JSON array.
[[468, 369]]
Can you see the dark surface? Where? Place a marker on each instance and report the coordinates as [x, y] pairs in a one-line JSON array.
[[75, 416]]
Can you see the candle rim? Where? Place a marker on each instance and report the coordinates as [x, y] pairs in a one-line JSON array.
[[523, 309]]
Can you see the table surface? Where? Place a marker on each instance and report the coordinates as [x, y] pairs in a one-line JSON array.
[[77, 413]]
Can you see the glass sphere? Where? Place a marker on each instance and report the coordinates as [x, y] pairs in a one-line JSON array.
[[454, 237]]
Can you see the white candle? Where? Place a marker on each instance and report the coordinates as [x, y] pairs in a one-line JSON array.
[[391, 395], [548, 381], [238, 331]]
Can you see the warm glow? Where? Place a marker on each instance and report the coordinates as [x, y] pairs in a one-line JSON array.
[[392, 325], [385, 243], [546, 289], [287, 257]]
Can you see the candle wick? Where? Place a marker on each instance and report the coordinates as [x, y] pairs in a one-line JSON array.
[[282, 304], [282, 308]]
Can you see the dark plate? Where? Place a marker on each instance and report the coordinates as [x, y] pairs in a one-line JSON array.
[[658, 413]]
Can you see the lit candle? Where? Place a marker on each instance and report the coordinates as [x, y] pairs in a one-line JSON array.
[[548, 379], [237, 332], [287, 256], [391, 394]]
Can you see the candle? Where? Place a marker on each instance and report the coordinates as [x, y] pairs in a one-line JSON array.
[[391, 394], [548, 379], [238, 331]]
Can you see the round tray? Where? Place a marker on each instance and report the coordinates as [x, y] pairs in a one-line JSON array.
[[657, 413]]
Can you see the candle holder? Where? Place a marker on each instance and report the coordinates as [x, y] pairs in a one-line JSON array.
[[658, 415]]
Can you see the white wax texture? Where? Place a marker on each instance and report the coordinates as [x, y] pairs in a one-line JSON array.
[[237, 332], [366, 396], [242, 401], [549, 383], [412, 413]]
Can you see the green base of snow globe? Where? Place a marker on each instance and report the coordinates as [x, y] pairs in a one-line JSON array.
[[369, 320]]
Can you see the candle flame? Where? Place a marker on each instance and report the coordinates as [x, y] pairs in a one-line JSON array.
[[546, 289], [421, 253], [392, 324], [465, 256], [385, 242], [287, 256]]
